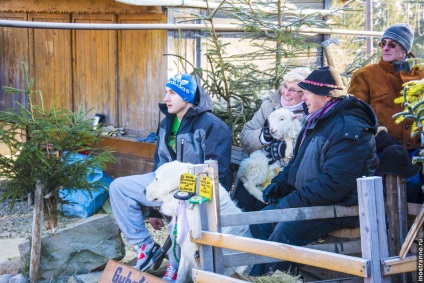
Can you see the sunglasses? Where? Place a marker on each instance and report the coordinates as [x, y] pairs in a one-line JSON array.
[[391, 44]]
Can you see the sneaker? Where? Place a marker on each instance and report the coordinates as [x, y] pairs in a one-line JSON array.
[[170, 274], [147, 255]]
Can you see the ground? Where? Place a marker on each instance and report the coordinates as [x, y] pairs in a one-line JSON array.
[[16, 223]]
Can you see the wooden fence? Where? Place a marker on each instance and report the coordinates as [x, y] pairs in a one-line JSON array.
[[375, 265]]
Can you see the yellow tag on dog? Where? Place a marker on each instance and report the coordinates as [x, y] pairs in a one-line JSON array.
[[205, 189], [187, 183]]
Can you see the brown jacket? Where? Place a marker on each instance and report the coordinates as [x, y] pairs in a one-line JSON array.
[[378, 85]]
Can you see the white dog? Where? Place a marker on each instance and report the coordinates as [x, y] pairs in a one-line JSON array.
[[162, 189], [256, 172]]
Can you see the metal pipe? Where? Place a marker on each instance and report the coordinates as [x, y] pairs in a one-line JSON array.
[[170, 3], [218, 27], [213, 5], [369, 27]]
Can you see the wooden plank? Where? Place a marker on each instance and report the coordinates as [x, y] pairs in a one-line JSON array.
[[214, 215], [396, 265], [237, 259], [95, 67], [342, 263], [371, 225], [51, 57], [200, 276], [396, 217], [396, 212], [14, 50], [341, 280], [205, 252], [75, 6], [129, 147], [383, 246], [36, 234], [118, 272], [347, 233], [241, 258], [415, 228], [141, 83], [288, 214], [414, 208], [126, 165], [345, 248]]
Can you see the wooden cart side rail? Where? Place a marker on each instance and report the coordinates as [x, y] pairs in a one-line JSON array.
[[396, 265], [346, 248], [288, 214], [374, 244], [201, 276], [342, 263]]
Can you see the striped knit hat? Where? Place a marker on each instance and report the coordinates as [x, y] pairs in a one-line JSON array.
[[401, 33]]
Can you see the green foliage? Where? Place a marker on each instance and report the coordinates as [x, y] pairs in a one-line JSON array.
[[41, 143], [273, 37], [413, 100]]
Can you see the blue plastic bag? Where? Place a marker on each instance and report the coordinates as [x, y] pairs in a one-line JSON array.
[[82, 204]]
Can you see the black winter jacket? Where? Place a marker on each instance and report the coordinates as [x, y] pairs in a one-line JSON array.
[[201, 136], [336, 151]]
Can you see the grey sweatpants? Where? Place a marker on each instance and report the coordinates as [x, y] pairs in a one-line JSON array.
[[127, 195]]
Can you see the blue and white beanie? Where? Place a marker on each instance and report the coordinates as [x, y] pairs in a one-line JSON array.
[[401, 33], [184, 85]]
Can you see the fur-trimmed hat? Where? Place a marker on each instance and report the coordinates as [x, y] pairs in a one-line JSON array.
[[402, 34], [324, 81], [395, 161], [185, 86]]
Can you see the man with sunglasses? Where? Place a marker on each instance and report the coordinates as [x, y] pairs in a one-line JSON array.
[[379, 84]]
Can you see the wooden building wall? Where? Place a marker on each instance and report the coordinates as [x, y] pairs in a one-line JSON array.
[[117, 73], [120, 74]]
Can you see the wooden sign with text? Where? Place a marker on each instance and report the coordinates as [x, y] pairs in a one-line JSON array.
[[118, 272]]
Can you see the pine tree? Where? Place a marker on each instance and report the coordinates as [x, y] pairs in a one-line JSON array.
[[41, 144]]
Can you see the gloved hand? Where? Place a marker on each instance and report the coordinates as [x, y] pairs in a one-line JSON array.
[[276, 150], [265, 133], [271, 194], [383, 140]]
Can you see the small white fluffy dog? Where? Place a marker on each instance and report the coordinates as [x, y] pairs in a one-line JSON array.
[[162, 189], [255, 171]]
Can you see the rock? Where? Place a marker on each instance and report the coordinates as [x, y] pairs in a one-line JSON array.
[[18, 279], [12, 267], [5, 278], [79, 249], [93, 277], [74, 279]]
